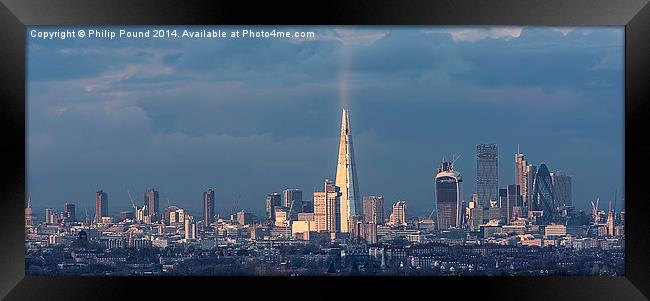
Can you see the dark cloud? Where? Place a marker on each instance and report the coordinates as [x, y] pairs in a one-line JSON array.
[[252, 116]]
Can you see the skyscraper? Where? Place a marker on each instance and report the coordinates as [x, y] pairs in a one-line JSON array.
[[562, 188], [101, 205], [208, 207], [373, 209], [543, 196], [487, 173], [513, 199], [50, 216], [152, 200], [327, 206], [448, 196], [29, 215], [398, 215], [273, 200], [292, 198], [69, 213], [524, 177], [346, 176]]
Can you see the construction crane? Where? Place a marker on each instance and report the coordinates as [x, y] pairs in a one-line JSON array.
[[454, 159], [291, 208], [131, 198], [594, 210], [431, 214]]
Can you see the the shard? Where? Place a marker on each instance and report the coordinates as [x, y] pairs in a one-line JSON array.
[[346, 176]]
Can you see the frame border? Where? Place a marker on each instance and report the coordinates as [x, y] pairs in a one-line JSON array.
[[15, 15]]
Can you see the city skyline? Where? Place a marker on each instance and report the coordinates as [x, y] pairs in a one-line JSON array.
[[120, 105]]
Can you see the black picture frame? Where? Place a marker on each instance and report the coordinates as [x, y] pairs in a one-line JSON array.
[[15, 15]]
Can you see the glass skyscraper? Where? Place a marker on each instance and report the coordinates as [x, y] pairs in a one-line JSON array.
[[448, 196], [487, 173], [543, 196]]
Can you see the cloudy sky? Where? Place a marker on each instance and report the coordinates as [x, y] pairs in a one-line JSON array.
[[252, 116]]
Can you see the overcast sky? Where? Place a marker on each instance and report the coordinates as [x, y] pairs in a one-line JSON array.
[[247, 117]]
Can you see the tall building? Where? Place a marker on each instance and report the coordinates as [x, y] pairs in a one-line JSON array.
[[69, 213], [611, 220], [373, 209], [208, 207], [50, 216], [448, 196], [292, 198], [346, 176], [29, 215], [190, 228], [273, 200], [101, 205], [152, 200], [398, 215], [543, 196], [562, 188], [487, 173], [524, 177], [513, 199], [327, 206]]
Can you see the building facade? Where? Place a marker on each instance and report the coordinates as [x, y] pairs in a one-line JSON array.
[[448, 196], [152, 200], [562, 188], [373, 209], [543, 196], [327, 205], [208, 207], [398, 214], [273, 200], [101, 205], [346, 176], [487, 173]]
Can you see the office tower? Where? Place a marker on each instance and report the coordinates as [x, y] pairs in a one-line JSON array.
[[282, 218], [142, 214], [152, 200], [622, 217], [190, 228], [448, 196], [208, 207], [177, 215], [69, 214], [611, 217], [244, 218], [273, 201], [327, 206], [543, 197], [513, 199], [29, 215], [487, 173], [101, 205], [562, 188], [503, 201], [292, 198], [373, 209], [524, 177], [529, 180], [398, 215], [50, 216], [364, 232], [346, 175]]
